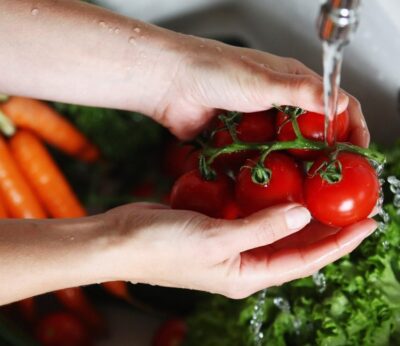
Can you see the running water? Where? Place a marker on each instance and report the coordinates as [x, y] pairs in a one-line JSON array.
[[257, 318], [332, 64]]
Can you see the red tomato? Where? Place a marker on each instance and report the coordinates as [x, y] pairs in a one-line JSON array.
[[62, 329], [347, 201], [231, 210], [312, 126], [252, 128], [192, 192], [146, 189], [171, 333], [179, 159], [285, 185]]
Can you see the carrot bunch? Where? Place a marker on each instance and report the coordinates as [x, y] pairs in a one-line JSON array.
[[33, 186]]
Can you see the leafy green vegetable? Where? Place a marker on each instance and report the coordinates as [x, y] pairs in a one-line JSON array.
[[360, 304]]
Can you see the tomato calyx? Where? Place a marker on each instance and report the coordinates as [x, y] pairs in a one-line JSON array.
[[230, 121], [260, 174], [293, 113], [330, 171]]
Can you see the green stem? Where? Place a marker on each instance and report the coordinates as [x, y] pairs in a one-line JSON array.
[[296, 128], [300, 143], [6, 125]]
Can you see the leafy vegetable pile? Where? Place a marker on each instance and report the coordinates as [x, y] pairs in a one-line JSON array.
[[355, 302]]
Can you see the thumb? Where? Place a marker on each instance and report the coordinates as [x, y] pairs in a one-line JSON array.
[[264, 227]]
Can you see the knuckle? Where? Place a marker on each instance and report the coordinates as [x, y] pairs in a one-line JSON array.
[[265, 232]]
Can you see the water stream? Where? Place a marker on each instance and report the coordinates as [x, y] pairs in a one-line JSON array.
[[332, 64], [257, 318]]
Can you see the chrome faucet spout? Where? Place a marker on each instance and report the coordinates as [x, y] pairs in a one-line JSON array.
[[338, 20]]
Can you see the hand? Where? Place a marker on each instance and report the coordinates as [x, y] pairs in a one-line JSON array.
[[213, 76], [156, 245]]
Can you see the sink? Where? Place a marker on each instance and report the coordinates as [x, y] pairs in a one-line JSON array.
[[370, 70]]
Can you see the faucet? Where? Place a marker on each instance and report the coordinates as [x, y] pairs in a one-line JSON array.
[[338, 20]]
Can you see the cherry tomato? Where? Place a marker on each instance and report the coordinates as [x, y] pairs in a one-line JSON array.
[[62, 329], [312, 127], [192, 192], [171, 333], [147, 189], [347, 201], [179, 159], [252, 128], [285, 184]]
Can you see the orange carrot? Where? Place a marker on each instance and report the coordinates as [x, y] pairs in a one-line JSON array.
[[44, 176], [51, 186], [18, 197], [3, 213], [118, 289], [49, 125]]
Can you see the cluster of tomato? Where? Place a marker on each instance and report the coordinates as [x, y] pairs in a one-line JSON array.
[[252, 161]]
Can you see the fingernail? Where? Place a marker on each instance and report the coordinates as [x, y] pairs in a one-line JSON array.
[[297, 217]]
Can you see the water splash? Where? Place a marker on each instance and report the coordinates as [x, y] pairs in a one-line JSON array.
[[319, 281], [282, 304], [257, 318]]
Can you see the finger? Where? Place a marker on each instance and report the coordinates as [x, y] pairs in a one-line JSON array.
[[305, 91], [312, 233], [359, 134], [294, 263], [264, 227]]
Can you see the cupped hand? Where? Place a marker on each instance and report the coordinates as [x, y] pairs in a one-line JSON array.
[[212, 75], [153, 244]]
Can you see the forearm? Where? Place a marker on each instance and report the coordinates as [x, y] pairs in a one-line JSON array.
[[38, 256], [69, 51]]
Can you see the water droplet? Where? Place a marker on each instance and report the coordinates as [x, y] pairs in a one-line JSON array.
[[117, 30], [386, 245], [137, 30], [319, 281], [35, 11], [201, 46], [132, 40], [282, 304], [243, 57], [102, 24], [71, 238], [219, 49]]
